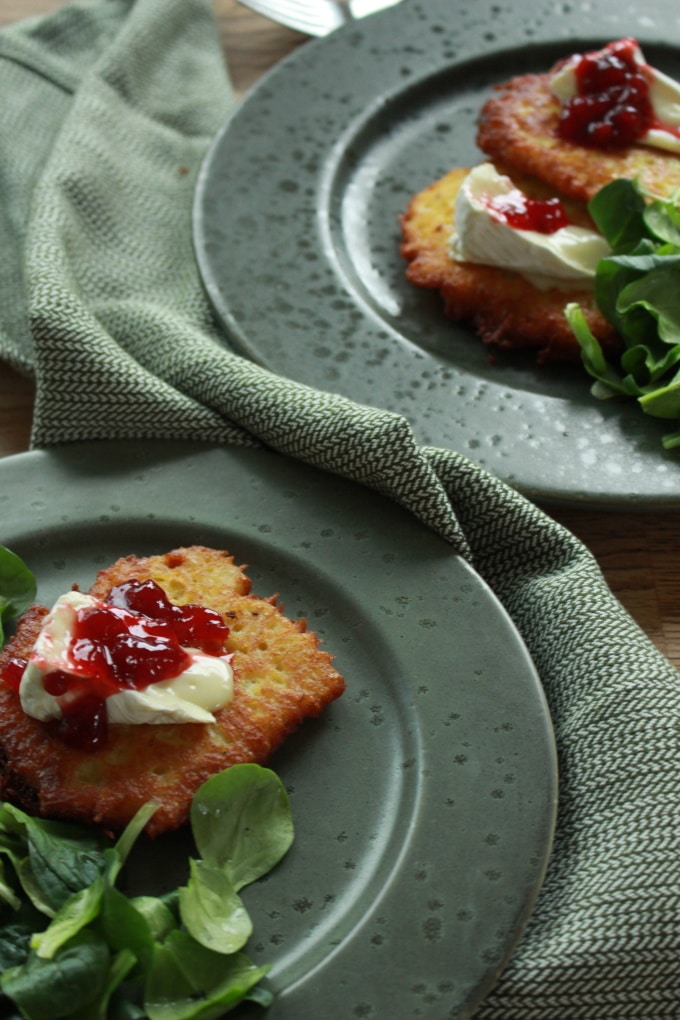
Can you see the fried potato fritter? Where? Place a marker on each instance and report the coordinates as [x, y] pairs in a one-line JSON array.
[[506, 310], [281, 677], [518, 127]]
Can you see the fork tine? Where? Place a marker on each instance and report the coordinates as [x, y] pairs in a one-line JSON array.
[[313, 17]]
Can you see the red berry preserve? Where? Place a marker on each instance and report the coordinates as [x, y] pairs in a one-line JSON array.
[[545, 216], [135, 638], [611, 108]]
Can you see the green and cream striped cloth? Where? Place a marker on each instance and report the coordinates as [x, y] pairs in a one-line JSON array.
[[107, 110]]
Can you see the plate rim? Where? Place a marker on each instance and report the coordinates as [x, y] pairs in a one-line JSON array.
[[612, 496], [145, 455]]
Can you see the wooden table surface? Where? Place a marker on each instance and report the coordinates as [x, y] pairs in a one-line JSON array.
[[639, 553]]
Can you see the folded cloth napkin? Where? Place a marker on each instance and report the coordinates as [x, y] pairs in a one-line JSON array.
[[108, 108]]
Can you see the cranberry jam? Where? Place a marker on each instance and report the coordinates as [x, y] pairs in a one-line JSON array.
[[135, 638], [611, 108], [523, 213]]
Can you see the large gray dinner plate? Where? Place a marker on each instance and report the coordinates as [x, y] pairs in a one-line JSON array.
[[296, 233], [424, 798]]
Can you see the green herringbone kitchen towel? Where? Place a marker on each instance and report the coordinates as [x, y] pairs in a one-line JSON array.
[[107, 110]]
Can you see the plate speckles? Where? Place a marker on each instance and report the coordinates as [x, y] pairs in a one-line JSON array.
[[423, 799], [318, 292]]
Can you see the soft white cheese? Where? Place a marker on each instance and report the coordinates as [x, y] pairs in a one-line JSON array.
[[192, 696], [570, 253], [664, 95]]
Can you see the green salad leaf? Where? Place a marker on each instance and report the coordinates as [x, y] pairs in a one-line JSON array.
[[199, 901], [74, 946], [637, 289], [242, 823], [17, 588], [185, 973], [52, 860], [51, 989]]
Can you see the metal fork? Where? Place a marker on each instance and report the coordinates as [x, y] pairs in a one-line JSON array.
[[316, 17]]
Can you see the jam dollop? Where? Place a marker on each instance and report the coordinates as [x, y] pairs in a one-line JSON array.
[[545, 216], [134, 638], [612, 106], [193, 626]]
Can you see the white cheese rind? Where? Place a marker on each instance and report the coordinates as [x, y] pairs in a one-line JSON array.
[[569, 254]]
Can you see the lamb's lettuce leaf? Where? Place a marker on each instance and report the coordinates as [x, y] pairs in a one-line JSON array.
[[637, 289], [17, 588], [187, 981], [74, 946], [242, 823]]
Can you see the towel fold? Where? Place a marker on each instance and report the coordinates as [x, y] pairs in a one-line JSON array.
[[108, 109]]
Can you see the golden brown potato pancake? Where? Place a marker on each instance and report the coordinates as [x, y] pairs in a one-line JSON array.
[[503, 307], [518, 127], [281, 677]]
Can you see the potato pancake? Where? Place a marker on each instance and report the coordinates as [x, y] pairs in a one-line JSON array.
[[518, 127], [505, 309], [281, 677]]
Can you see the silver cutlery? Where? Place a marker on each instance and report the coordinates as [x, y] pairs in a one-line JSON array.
[[316, 17]]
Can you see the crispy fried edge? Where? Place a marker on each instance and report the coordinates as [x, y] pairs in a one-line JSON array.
[[49, 778], [518, 127], [505, 310]]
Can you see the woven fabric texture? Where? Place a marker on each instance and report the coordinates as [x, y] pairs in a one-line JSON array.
[[101, 299]]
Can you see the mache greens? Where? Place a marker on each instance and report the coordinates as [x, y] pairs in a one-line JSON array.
[[74, 946], [637, 289], [17, 588]]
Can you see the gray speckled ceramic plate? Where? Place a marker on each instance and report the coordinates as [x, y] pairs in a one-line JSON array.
[[424, 798], [296, 230]]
